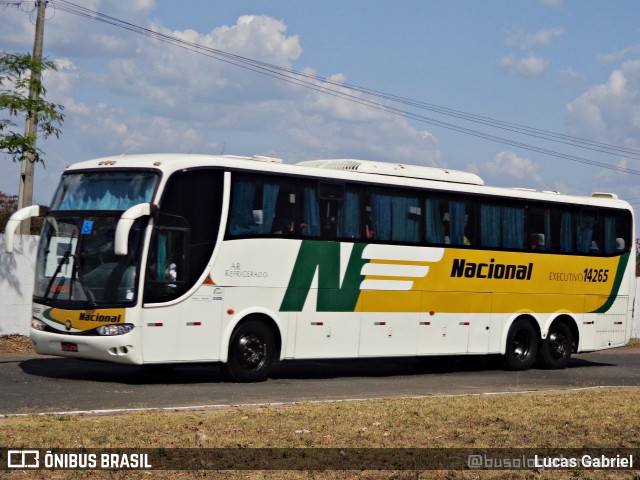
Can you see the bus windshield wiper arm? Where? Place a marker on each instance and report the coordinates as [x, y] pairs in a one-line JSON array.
[[76, 274], [63, 260]]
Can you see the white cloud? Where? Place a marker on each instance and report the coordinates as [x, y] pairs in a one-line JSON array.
[[186, 84], [541, 38], [73, 34], [124, 92], [610, 112], [393, 141], [179, 91], [527, 67], [613, 57], [336, 106], [257, 36], [506, 166], [142, 95], [570, 74]]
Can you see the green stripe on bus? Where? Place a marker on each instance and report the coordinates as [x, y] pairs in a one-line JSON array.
[[624, 259]]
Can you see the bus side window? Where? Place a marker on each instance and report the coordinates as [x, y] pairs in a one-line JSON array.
[[459, 226], [434, 221], [567, 239], [615, 233], [503, 226], [309, 210], [395, 216], [167, 265], [187, 224], [245, 217], [539, 222], [285, 203], [261, 206], [587, 230], [348, 222], [331, 202], [550, 229]]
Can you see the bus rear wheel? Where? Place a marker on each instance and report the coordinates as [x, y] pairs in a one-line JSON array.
[[522, 346], [555, 350], [251, 352]]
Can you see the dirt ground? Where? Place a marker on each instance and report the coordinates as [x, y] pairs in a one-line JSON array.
[[15, 345]]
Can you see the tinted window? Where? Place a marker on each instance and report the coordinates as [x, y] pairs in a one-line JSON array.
[[187, 226]]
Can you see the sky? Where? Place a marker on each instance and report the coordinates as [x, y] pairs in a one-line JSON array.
[[571, 67]]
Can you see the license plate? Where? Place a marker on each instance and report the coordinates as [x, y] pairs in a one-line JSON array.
[[69, 347]]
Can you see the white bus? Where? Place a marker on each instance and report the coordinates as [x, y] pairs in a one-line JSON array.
[[163, 259]]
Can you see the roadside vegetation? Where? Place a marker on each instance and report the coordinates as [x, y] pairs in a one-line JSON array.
[[15, 345], [606, 418], [596, 418]]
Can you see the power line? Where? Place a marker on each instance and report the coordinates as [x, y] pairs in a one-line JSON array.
[[376, 99]]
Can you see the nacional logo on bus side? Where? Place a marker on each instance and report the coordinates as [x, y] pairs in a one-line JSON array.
[[499, 271]]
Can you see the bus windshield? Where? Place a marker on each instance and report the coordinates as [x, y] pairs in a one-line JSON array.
[[77, 265], [104, 190]]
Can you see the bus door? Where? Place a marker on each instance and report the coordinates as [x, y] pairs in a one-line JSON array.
[[180, 322]]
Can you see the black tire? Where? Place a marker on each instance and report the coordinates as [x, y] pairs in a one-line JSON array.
[[251, 352], [555, 350], [522, 346]]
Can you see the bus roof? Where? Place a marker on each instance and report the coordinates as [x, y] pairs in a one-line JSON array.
[[396, 170], [387, 173]]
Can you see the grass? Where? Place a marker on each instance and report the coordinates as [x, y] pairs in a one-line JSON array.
[[597, 418], [607, 418], [634, 342]]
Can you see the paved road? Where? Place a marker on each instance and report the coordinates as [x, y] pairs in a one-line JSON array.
[[51, 384]]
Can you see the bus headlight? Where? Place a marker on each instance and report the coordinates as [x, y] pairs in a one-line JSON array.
[[110, 330], [38, 324]]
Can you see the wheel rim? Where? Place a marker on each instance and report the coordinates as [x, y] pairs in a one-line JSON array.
[[252, 351], [521, 345], [558, 345]]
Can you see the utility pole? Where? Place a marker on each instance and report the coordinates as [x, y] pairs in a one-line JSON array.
[[25, 192]]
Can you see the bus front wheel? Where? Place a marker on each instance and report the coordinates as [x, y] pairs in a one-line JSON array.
[[522, 346], [251, 352], [555, 350]]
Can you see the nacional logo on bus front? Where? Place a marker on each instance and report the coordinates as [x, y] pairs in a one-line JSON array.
[[82, 320]]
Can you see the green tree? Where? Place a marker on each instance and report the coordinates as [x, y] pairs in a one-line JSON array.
[[17, 79]]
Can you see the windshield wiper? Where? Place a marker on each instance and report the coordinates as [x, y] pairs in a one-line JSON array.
[[75, 273], [63, 260]]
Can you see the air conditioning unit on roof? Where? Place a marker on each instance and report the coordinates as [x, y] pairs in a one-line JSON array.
[[396, 170]]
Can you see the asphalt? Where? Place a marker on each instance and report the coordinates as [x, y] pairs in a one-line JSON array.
[[39, 384]]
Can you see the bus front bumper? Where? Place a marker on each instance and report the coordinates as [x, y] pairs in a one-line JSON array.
[[117, 348]]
